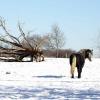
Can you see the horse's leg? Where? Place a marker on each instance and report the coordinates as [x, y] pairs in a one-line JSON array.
[[73, 65], [79, 69], [72, 71], [72, 75]]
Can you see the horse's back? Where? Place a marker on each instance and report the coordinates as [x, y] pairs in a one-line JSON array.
[[79, 59]]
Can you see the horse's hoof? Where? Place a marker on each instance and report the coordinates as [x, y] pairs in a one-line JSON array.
[[72, 77], [79, 77]]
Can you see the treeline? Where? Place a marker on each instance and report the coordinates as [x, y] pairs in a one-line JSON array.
[[62, 53]]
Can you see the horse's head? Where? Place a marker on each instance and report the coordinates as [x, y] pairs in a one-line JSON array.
[[87, 53]]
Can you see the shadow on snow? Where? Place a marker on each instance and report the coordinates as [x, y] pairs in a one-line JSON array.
[[49, 76], [47, 93]]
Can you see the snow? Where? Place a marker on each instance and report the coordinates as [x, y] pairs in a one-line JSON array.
[[49, 80]]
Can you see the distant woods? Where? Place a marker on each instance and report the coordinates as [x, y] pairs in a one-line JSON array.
[[56, 39], [98, 45]]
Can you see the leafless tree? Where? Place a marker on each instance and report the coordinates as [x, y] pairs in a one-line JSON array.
[[98, 45], [19, 50], [56, 39]]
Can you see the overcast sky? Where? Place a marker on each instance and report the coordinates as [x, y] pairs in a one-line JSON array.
[[78, 19]]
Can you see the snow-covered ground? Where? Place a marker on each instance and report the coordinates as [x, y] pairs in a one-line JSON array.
[[49, 80]]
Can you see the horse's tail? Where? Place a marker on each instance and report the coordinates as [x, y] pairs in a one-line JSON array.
[[73, 65]]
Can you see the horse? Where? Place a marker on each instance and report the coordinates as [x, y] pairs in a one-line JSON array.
[[78, 59]]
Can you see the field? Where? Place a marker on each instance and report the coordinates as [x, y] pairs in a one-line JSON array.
[[49, 80]]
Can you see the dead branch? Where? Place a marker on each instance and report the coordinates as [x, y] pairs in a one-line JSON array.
[[20, 51], [12, 43], [3, 26], [23, 34]]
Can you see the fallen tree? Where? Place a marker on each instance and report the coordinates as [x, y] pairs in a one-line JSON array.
[[17, 49]]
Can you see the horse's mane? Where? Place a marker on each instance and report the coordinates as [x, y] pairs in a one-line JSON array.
[[84, 52]]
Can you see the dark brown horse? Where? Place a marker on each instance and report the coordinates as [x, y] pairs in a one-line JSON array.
[[78, 60]]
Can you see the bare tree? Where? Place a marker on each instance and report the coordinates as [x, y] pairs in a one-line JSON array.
[[56, 39], [98, 45], [19, 50]]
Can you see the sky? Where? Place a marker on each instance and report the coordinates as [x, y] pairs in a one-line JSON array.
[[78, 19]]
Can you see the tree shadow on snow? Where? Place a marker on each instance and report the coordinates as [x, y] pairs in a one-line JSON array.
[[47, 93]]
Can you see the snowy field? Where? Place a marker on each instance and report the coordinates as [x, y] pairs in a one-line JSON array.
[[49, 80]]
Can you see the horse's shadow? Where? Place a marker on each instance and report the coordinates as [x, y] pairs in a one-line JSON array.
[[49, 76]]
